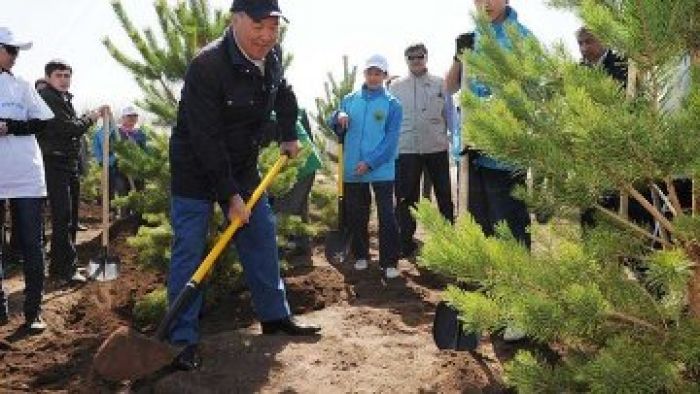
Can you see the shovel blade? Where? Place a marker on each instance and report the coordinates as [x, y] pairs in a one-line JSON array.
[[129, 355], [337, 246], [448, 332], [103, 270]]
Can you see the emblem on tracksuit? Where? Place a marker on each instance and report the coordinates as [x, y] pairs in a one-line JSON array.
[[379, 115]]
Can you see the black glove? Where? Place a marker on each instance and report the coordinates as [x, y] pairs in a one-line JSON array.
[[471, 151], [463, 42], [340, 133]]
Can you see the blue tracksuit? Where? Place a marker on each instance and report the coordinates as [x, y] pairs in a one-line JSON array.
[[372, 137]]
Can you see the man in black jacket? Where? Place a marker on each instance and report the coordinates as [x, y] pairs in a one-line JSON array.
[[60, 146], [230, 89], [594, 53]]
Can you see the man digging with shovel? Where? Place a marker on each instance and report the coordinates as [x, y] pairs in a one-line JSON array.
[[230, 89]]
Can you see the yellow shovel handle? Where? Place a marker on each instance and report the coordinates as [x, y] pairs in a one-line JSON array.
[[340, 170], [224, 239]]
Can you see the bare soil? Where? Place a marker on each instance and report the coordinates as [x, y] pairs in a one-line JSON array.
[[376, 336]]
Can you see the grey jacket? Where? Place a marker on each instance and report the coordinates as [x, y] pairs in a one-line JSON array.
[[427, 114]]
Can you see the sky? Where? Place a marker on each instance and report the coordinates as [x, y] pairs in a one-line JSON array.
[[319, 34]]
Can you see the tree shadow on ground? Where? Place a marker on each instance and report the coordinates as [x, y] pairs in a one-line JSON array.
[[401, 295]]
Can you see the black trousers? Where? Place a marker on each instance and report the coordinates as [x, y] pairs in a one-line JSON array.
[[28, 222], [409, 170], [60, 174], [490, 201], [74, 204], [357, 202]]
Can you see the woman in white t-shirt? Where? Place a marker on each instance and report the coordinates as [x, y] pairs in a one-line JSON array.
[[22, 114]]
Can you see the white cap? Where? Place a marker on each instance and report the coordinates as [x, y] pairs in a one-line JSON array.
[[7, 38], [377, 61], [129, 110]]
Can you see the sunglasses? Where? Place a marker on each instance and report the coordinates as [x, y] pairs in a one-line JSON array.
[[12, 51], [415, 57]]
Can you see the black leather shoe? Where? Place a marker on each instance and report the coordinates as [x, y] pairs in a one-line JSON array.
[[289, 326], [4, 319], [189, 359]]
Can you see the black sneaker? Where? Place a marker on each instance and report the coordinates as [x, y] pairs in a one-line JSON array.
[[36, 324], [189, 359]]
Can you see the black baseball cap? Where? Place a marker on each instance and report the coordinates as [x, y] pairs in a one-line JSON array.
[[258, 9]]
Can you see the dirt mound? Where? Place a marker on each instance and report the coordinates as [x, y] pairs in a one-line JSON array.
[[376, 336], [78, 319]]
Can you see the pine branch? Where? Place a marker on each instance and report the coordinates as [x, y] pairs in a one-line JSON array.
[[627, 223], [620, 317], [673, 195], [171, 97], [650, 208]]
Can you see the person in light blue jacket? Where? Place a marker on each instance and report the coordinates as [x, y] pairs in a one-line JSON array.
[[370, 119], [119, 184]]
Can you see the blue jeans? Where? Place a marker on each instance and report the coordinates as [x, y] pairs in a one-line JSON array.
[[256, 244], [358, 200], [29, 222]]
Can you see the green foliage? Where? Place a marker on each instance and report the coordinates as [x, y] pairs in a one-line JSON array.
[[90, 182], [288, 225], [152, 241], [324, 206], [334, 94], [146, 164], [91, 179], [149, 310], [288, 176], [618, 337], [184, 28], [530, 375], [608, 243], [686, 344], [628, 366]]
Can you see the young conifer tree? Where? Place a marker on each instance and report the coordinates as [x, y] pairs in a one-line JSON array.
[[335, 91], [582, 135]]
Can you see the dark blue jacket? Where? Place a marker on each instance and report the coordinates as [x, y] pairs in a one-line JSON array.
[[221, 121]]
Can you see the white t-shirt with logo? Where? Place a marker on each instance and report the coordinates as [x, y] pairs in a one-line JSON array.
[[21, 163]]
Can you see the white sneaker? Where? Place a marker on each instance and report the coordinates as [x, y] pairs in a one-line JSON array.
[[77, 278], [37, 324], [361, 264], [392, 273], [512, 334]]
